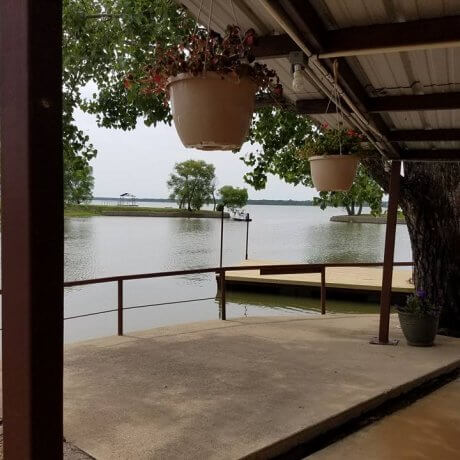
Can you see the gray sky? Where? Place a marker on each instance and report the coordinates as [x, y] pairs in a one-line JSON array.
[[140, 162]]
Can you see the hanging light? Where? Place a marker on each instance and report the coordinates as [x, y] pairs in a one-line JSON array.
[[298, 81]]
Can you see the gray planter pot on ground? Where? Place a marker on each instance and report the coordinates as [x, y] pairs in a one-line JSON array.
[[419, 331]]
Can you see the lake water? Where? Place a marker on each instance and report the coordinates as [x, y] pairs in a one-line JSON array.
[[108, 246]]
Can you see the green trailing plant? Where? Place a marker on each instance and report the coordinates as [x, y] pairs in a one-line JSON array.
[[202, 51], [419, 305], [331, 141]]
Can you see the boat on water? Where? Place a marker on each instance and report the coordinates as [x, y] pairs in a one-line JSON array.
[[241, 215]]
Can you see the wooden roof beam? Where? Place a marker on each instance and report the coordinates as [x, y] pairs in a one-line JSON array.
[[431, 155], [407, 103], [274, 46], [372, 39], [395, 37], [423, 135], [315, 106]]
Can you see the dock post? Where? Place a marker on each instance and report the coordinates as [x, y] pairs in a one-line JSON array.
[[323, 290], [120, 307], [388, 260], [221, 236], [223, 305], [247, 234], [32, 231]]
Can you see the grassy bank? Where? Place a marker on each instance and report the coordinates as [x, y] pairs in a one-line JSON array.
[[366, 219], [138, 211]]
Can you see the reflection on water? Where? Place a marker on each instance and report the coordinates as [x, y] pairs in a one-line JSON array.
[[108, 246], [296, 305]]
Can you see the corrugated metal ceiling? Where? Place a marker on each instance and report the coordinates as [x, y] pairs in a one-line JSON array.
[[397, 73]]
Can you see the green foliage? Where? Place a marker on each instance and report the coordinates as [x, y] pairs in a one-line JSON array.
[[419, 305], [192, 184], [363, 191], [281, 134], [202, 51], [103, 40], [331, 141], [233, 197]]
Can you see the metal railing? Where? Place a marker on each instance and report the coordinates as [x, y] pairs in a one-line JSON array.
[[221, 272]]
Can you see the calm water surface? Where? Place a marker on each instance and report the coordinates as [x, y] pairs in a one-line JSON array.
[[109, 246]]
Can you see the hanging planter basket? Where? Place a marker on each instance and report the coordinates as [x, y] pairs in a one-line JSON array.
[[212, 111], [210, 82], [333, 173]]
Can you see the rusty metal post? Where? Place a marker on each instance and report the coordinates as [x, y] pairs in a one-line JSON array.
[[323, 290], [388, 260], [223, 304], [247, 234], [32, 229], [221, 236], [120, 307]]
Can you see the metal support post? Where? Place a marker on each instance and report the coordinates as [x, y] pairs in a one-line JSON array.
[[390, 238], [32, 233]]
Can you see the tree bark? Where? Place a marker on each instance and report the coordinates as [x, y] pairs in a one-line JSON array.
[[430, 200], [360, 209], [348, 210]]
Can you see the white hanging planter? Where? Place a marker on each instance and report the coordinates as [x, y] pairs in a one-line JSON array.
[[333, 173], [212, 111]]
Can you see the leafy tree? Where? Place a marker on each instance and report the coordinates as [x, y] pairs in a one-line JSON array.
[[192, 184], [233, 197], [104, 40], [364, 191]]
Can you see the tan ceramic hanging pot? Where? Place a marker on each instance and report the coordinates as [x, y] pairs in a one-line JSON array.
[[212, 111], [333, 173]]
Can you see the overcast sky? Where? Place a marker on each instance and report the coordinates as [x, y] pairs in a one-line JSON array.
[[140, 162]]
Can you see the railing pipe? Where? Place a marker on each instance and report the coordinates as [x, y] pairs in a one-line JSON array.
[[298, 267]]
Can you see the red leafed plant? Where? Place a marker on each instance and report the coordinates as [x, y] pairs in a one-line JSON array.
[[332, 141], [230, 55]]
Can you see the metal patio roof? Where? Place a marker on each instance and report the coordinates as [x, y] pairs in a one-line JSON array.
[[398, 61]]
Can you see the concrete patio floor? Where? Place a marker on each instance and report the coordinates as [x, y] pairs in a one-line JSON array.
[[245, 387], [427, 429]]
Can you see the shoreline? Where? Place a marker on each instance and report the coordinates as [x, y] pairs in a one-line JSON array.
[[365, 219], [138, 211]]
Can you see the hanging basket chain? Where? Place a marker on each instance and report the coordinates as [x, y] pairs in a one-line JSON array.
[[338, 105], [236, 21], [209, 35]]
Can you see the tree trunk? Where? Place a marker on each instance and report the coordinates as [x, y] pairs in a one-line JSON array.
[[430, 200], [360, 209], [433, 221], [349, 212]]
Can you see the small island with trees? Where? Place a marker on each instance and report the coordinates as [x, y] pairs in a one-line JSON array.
[[193, 184]]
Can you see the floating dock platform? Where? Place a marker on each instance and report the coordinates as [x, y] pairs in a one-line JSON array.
[[360, 283]]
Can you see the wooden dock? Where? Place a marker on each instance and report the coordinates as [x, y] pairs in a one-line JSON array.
[[352, 282]]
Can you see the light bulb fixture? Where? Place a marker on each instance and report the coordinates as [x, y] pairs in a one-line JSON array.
[[298, 80]]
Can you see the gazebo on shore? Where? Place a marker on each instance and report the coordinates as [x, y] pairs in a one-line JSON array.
[[398, 82], [127, 199]]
